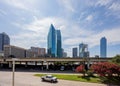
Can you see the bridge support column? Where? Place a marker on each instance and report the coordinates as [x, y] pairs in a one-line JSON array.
[[42, 65], [10, 64], [26, 64], [47, 65], [35, 63]]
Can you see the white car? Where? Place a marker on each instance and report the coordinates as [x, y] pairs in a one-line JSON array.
[[49, 78]]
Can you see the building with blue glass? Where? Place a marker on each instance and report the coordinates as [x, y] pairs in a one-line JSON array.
[[59, 43], [4, 40], [83, 50], [103, 47], [54, 43]]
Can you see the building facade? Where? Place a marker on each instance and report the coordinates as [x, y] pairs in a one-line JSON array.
[[74, 52], [17, 52], [30, 54], [42, 52], [39, 51], [4, 40], [83, 50], [64, 54], [54, 42], [103, 47]]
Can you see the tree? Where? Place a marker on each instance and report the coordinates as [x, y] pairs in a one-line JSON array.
[[106, 69], [116, 59], [80, 69]]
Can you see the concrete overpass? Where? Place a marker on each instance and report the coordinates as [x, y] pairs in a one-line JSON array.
[[49, 60]]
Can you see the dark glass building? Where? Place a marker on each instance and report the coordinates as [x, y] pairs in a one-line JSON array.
[[54, 42], [59, 44], [4, 40], [103, 47], [75, 52]]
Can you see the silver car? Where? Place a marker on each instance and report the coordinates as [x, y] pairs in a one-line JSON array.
[[49, 78]]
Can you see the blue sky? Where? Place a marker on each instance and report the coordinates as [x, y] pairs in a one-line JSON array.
[[27, 23]]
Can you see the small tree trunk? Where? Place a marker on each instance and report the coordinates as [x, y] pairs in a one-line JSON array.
[[84, 73]]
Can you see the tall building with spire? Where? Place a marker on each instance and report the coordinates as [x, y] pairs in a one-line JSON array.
[[54, 43], [103, 47], [4, 40]]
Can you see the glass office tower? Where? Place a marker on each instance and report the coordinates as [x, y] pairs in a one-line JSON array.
[[83, 50], [59, 44], [4, 40], [103, 47], [52, 42]]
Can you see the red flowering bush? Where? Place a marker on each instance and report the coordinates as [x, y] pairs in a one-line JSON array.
[[80, 69], [106, 68]]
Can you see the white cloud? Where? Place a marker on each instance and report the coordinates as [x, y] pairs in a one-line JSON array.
[[115, 6], [36, 31], [67, 4], [89, 18], [93, 39], [112, 7], [103, 2], [27, 5], [26, 39]]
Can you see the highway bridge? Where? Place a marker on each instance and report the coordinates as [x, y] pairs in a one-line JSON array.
[[47, 61]]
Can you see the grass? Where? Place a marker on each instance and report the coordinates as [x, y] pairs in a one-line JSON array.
[[94, 79], [111, 80]]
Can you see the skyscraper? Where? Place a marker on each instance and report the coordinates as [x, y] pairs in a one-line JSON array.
[[103, 47], [54, 42], [59, 44], [83, 50], [4, 40], [75, 51]]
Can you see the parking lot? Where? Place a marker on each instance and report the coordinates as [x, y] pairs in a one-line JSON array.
[[27, 79]]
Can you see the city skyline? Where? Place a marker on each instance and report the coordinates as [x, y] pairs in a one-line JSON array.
[[27, 23]]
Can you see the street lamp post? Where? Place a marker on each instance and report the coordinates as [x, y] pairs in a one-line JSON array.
[[13, 77], [13, 71]]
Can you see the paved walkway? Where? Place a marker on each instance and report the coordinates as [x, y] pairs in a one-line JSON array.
[[27, 79]]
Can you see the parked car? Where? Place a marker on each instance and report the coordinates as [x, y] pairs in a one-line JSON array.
[[49, 78], [62, 68]]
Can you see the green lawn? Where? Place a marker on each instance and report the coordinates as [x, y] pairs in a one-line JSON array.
[[74, 78]]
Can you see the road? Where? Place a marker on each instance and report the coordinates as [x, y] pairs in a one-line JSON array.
[[27, 79]]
